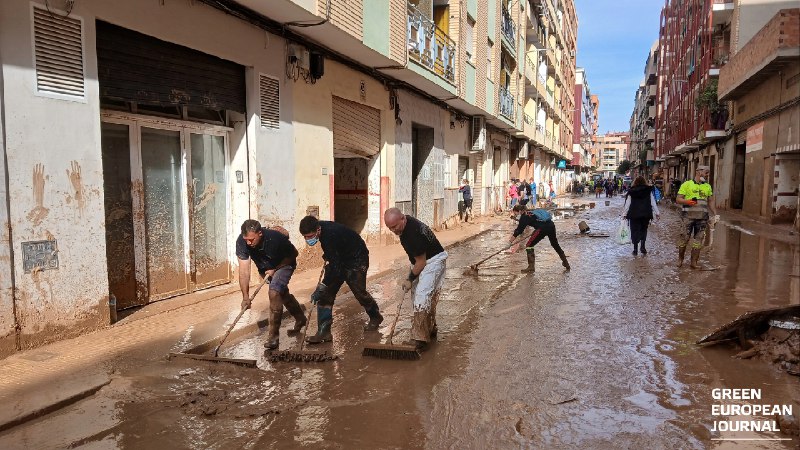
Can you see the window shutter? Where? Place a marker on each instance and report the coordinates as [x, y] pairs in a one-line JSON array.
[[58, 50], [270, 102]]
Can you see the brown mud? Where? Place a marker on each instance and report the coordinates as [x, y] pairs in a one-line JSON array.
[[600, 357]]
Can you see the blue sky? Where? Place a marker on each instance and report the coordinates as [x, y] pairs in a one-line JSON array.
[[614, 38]]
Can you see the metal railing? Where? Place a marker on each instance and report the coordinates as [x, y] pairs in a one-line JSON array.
[[550, 95], [430, 46], [506, 101], [509, 28], [451, 204]]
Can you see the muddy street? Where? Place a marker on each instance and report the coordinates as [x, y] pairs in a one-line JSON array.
[[601, 357]]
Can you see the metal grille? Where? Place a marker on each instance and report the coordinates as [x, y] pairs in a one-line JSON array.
[[58, 50], [270, 102]]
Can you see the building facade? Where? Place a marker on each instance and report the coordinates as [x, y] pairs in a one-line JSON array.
[[123, 127], [642, 132], [585, 123], [612, 149], [731, 117]]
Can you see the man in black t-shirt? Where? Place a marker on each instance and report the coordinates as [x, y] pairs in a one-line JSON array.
[[425, 279], [275, 258], [348, 261]]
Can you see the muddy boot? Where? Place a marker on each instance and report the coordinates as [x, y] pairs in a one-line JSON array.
[[375, 318], [324, 322], [635, 249], [293, 306], [564, 262], [681, 255], [531, 263], [421, 346], [643, 250], [695, 259], [275, 317]]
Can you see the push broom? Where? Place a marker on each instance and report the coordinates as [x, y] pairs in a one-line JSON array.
[[300, 355], [389, 350]]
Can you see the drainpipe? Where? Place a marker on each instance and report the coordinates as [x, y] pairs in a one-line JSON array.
[[7, 211]]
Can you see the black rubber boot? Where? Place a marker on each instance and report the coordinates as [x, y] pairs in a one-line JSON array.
[[324, 322], [375, 318], [635, 249], [564, 262], [531, 263], [642, 249], [293, 306]]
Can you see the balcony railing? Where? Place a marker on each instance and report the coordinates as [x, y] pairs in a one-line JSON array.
[[509, 28], [550, 95], [506, 103], [430, 46]]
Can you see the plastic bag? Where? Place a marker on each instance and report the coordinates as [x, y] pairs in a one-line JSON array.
[[624, 232]]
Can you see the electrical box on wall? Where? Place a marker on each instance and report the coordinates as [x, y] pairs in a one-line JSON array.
[[298, 55]]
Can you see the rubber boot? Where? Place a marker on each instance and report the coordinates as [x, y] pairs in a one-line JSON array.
[[273, 340], [324, 322], [635, 249], [564, 262], [695, 258], [375, 318], [531, 263], [293, 306], [681, 255], [642, 249]]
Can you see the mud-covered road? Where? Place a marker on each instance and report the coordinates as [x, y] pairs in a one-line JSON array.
[[600, 357]]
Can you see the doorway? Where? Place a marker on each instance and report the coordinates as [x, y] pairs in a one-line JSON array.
[[350, 190], [166, 207], [737, 193], [421, 176]]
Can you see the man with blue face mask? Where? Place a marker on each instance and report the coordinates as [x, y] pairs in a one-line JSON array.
[[275, 258], [348, 260]]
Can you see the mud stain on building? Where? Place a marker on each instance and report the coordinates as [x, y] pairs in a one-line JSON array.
[[39, 212], [74, 175]]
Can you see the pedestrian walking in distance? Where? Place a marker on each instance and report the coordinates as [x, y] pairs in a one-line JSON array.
[[542, 223], [640, 208], [276, 259], [697, 199], [428, 263], [348, 261], [466, 192]]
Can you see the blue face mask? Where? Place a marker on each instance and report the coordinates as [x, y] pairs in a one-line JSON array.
[[312, 241]]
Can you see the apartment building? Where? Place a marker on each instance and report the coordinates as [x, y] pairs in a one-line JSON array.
[[584, 120], [642, 132], [612, 149], [706, 118]]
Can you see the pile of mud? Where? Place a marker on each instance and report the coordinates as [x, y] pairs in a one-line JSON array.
[[777, 346]]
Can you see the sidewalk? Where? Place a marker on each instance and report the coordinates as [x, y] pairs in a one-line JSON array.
[[38, 381]]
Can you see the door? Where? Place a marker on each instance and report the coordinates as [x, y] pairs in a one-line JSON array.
[[164, 212], [737, 195], [166, 209]]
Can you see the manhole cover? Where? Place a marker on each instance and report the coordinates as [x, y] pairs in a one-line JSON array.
[[38, 356]]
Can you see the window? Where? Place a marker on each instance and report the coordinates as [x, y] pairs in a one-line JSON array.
[[489, 51], [470, 44]]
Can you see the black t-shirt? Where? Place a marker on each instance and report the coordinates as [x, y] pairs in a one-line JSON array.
[[341, 245], [272, 249], [417, 238]]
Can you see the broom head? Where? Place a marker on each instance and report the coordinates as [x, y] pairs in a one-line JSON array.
[[391, 351], [299, 356]]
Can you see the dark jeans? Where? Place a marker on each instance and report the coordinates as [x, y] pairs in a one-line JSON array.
[[639, 230], [355, 275], [547, 230]]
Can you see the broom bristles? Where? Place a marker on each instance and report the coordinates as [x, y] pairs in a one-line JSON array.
[[391, 351], [301, 356]]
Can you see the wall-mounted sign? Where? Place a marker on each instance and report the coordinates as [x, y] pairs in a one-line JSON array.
[[562, 164], [755, 138], [39, 255]]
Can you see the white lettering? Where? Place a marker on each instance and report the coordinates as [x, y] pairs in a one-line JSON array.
[[736, 394], [745, 425]]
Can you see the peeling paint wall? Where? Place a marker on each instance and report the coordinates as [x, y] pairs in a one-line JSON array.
[[54, 157]]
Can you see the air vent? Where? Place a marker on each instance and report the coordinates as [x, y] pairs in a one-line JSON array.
[[58, 50], [270, 102]]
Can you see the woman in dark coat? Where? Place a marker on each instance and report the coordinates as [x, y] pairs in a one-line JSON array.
[[640, 207]]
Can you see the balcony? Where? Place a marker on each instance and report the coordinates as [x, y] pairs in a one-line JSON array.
[[530, 71], [506, 102], [721, 11], [539, 137], [430, 46], [529, 127], [509, 29], [550, 96]]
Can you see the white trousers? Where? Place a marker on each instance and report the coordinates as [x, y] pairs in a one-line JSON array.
[[429, 282]]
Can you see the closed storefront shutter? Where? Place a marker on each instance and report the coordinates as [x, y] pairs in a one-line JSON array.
[[356, 130], [134, 67]]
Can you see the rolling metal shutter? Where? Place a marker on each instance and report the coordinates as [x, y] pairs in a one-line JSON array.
[[140, 68], [356, 130]]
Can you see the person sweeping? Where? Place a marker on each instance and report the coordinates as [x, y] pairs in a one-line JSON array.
[[542, 223], [425, 279]]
